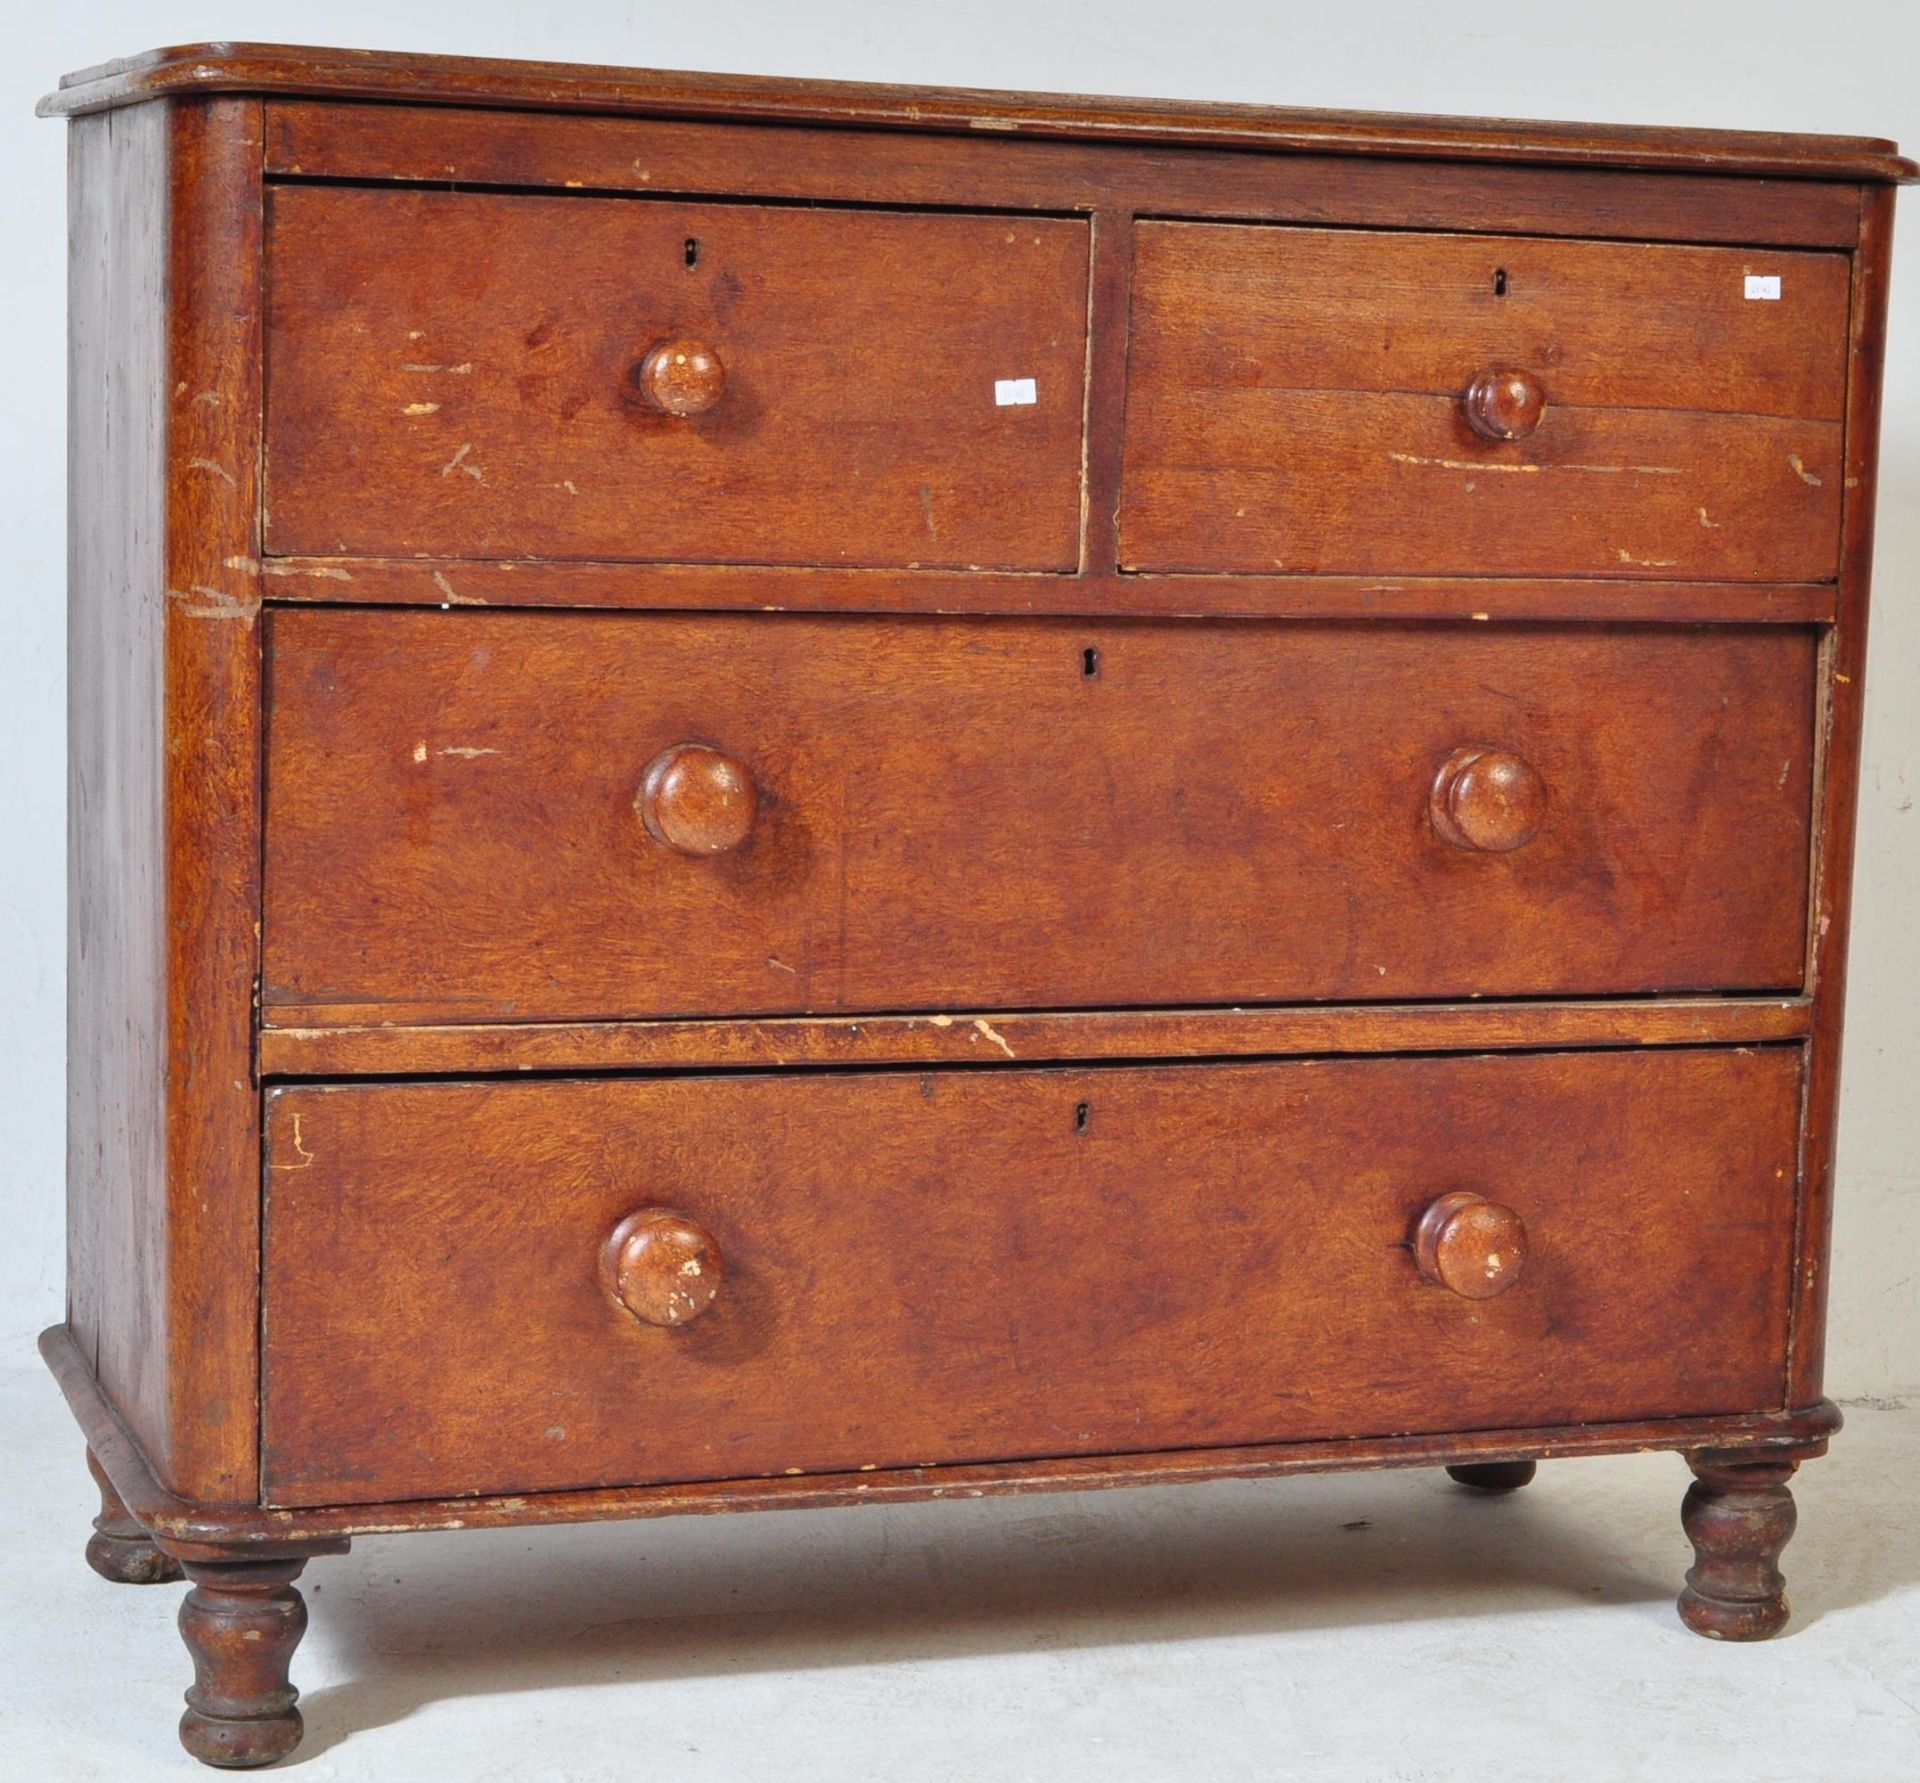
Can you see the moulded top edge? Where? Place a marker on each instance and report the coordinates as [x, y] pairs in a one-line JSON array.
[[559, 86]]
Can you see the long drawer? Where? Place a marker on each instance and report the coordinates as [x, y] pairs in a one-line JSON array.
[[476, 815], [1399, 403], [504, 1287], [465, 374]]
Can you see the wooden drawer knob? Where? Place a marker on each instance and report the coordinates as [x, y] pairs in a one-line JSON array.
[[662, 1267], [697, 800], [1487, 799], [1474, 1246], [1505, 405], [681, 377]]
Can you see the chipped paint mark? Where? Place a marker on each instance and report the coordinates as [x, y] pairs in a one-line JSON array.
[[1647, 563], [941, 1021], [465, 751], [219, 470], [1786, 768], [307, 1158], [420, 750], [452, 371], [988, 1031], [1483, 617], [1800, 470], [207, 398], [568, 487], [198, 601], [782, 966], [247, 566], [1711, 525], [421, 408], [992, 124]]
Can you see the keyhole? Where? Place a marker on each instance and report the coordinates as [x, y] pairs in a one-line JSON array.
[[1089, 662], [1499, 281], [1082, 1116], [693, 250]]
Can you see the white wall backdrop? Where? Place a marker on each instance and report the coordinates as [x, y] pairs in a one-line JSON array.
[[1763, 64]]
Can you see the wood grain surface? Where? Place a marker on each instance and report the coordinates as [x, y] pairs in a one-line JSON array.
[[1296, 403], [954, 1267], [162, 1129], [455, 373], [315, 139], [971, 815]]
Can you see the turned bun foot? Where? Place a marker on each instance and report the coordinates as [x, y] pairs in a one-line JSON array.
[[241, 1622], [1493, 1476], [119, 1549], [1738, 1515]]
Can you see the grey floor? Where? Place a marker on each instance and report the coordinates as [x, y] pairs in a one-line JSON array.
[[1386, 1627]]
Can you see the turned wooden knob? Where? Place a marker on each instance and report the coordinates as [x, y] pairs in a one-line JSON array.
[[1487, 799], [697, 800], [1474, 1246], [681, 377], [662, 1267], [1505, 405]]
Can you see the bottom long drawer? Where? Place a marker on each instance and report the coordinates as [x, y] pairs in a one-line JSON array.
[[888, 1268]]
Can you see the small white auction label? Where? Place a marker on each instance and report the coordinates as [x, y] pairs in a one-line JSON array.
[[1764, 285], [1014, 392]]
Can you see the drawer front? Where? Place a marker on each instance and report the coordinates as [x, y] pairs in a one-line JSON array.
[[985, 1265], [1302, 400], [1001, 814], [471, 375]]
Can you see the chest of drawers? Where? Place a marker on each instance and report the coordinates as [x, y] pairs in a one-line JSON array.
[[788, 794]]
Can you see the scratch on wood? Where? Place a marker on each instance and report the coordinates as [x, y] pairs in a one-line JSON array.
[[989, 1032], [1800, 470], [452, 371], [1534, 470], [459, 600], [458, 463], [421, 408], [466, 751], [1647, 563], [198, 601], [1712, 525], [299, 1150], [325, 572], [219, 470]]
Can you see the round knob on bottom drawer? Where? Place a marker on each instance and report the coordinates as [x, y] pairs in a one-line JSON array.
[[1474, 1246], [681, 377], [1504, 405], [1487, 799], [662, 1267], [697, 800]]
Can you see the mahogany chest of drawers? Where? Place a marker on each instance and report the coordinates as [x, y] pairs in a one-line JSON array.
[[788, 794]]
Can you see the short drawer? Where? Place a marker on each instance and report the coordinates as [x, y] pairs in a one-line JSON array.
[[1369, 403], [463, 374], [477, 816], [907, 1268]]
